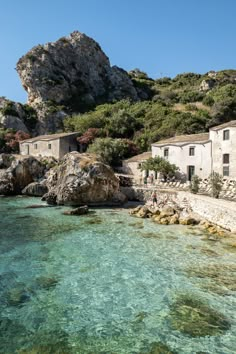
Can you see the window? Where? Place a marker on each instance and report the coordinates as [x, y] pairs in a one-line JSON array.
[[225, 170], [166, 152], [35, 146], [191, 151], [226, 158], [49, 146], [226, 134]]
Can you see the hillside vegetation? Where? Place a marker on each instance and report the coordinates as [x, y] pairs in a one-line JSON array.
[[187, 104]]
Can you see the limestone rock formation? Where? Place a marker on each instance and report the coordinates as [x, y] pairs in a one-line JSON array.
[[80, 179], [207, 85], [14, 115], [35, 189], [22, 172], [72, 72]]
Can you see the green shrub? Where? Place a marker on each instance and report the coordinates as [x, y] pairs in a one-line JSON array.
[[195, 184], [216, 183], [9, 109], [112, 151]]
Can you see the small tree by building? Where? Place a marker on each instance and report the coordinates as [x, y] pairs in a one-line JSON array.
[[195, 184], [158, 164], [216, 183]]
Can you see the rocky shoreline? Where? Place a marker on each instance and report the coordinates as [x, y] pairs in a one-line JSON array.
[[77, 179], [174, 214]]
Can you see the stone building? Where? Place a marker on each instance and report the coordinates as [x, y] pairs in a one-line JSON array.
[[56, 145]]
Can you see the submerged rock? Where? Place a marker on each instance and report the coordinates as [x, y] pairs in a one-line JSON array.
[[77, 211], [161, 348], [223, 276], [17, 296], [196, 318], [82, 179], [46, 282]]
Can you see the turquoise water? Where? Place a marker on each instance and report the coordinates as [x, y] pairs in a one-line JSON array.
[[104, 283]]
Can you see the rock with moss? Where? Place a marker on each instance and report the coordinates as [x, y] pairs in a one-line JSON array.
[[82, 210], [17, 116], [81, 179], [196, 318], [161, 348]]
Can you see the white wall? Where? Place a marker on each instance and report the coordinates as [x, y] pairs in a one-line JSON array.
[[179, 155], [221, 147]]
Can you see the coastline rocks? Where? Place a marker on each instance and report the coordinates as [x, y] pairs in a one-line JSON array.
[[80, 179], [35, 189], [6, 160], [77, 211], [165, 215], [21, 173]]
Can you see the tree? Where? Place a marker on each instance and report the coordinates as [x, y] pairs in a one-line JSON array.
[[12, 140], [158, 164], [89, 136], [216, 183], [121, 125], [112, 151]]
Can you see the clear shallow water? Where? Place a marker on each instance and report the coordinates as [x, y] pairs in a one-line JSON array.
[[102, 283]]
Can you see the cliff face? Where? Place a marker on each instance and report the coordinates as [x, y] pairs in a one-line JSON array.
[[73, 72]]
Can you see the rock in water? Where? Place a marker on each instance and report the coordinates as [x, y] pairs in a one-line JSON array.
[[73, 72], [80, 179], [77, 211]]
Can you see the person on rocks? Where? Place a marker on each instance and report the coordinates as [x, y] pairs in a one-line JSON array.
[[154, 198]]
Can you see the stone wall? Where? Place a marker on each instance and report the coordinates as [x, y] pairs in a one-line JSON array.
[[228, 189], [217, 211]]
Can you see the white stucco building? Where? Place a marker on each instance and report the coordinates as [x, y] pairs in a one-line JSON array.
[[201, 154]]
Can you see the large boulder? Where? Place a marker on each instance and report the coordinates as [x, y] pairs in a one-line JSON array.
[[73, 72], [23, 171], [81, 179]]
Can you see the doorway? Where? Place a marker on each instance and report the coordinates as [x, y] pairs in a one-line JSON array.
[[191, 172]]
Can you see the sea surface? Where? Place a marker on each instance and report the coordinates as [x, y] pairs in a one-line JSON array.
[[110, 283]]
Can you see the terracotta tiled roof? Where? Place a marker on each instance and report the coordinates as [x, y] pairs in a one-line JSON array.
[[48, 137], [232, 123], [140, 157], [184, 139]]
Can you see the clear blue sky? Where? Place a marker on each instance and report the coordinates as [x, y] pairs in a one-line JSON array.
[[161, 37]]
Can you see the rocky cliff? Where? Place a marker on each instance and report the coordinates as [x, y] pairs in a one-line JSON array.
[[70, 75]]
